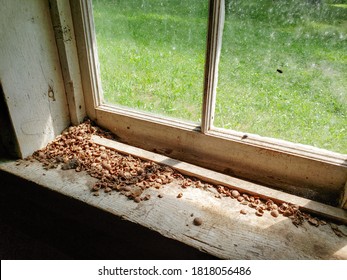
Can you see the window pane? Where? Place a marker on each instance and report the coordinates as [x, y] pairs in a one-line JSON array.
[[283, 70], [152, 54]]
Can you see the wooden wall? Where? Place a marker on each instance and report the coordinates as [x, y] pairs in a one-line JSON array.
[[30, 73]]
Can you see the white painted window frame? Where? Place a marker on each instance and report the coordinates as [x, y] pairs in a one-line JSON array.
[[304, 170]]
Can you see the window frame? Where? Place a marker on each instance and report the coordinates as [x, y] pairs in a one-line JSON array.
[[296, 168]]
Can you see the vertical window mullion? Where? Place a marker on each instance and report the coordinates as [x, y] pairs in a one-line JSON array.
[[93, 59], [214, 44]]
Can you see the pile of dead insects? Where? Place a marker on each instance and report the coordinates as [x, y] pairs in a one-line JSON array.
[[130, 176]]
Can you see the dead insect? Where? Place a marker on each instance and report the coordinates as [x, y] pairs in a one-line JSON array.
[[313, 222], [287, 213], [259, 212], [274, 213], [71, 164], [197, 221], [235, 193], [107, 190]]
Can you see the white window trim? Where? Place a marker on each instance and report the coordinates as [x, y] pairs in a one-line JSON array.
[[302, 169]]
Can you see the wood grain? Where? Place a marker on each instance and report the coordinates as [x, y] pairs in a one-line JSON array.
[[216, 178], [223, 233], [313, 179], [66, 43]]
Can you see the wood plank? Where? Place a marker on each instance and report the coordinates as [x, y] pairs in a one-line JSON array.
[[65, 38], [344, 198], [216, 178], [315, 179], [83, 23], [224, 232]]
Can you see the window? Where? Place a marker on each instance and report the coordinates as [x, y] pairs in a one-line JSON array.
[[301, 169], [285, 78], [152, 55]]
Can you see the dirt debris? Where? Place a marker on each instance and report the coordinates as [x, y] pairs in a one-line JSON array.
[[180, 195], [131, 176]]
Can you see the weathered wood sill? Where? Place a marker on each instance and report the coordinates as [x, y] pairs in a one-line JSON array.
[[224, 233]]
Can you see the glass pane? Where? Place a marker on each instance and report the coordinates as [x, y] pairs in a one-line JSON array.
[[283, 71], [152, 54]]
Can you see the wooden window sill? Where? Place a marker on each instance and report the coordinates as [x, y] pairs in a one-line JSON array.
[[224, 232]]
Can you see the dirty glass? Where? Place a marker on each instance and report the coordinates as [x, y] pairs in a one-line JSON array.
[[283, 71], [152, 54]]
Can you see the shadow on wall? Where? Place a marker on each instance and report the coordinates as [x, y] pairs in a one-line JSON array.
[[8, 140], [31, 75]]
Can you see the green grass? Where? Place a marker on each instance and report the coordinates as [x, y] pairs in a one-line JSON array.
[[307, 103], [152, 56]]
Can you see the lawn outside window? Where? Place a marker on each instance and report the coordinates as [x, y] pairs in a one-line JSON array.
[[300, 169]]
